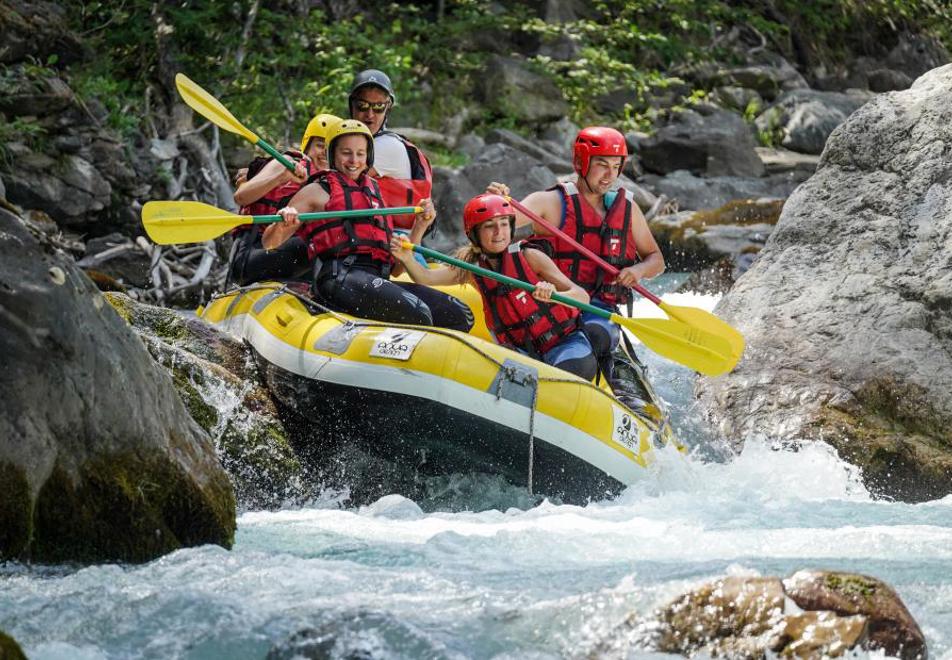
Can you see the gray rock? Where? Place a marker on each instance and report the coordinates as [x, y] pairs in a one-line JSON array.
[[3, 190], [695, 193], [720, 144], [784, 160], [768, 74], [471, 144], [71, 189], [846, 311], [37, 29], [915, 54], [36, 97], [739, 99], [510, 88], [554, 162], [99, 460], [453, 188], [563, 133], [805, 118], [888, 80]]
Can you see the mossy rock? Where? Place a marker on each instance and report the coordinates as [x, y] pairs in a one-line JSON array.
[[897, 439], [9, 649], [128, 507], [16, 511]]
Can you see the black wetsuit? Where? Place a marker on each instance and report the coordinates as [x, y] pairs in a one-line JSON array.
[[252, 263], [360, 288]]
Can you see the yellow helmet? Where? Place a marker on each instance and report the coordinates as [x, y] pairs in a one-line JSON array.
[[349, 127], [317, 127]]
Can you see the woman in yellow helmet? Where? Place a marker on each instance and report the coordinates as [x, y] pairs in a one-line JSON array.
[[268, 189], [353, 259]]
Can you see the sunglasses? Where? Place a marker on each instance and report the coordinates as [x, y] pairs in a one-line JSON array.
[[364, 106]]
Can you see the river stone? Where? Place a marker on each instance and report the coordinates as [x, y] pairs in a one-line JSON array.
[[696, 193], [891, 627], [804, 118], [217, 380], [847, 310], [9, 649], [99, 460]]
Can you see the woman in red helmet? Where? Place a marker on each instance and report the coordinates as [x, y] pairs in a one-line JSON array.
[[352, 256], [525, 322], [606, 221]]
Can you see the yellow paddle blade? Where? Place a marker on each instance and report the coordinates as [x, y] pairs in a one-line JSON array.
[[211, 108], [187, 222], [708, 323], [704, 352]]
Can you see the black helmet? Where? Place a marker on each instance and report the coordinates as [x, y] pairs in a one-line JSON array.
[[373, 77]]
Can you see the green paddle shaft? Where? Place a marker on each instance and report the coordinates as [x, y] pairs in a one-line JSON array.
[[278, 156], [505, 279], [323, 215]]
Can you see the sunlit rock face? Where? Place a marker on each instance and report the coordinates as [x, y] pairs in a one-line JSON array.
[[99, 460], [848, 310]]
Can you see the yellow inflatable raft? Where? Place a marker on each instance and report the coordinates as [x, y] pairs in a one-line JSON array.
[[448, 401]]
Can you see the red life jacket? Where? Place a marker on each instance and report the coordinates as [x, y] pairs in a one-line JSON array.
[[276, 198], [609, 237], [516, 318], [407, 192], [339, 238]]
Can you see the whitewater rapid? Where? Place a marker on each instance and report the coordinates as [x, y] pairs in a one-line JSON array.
[[476, 571]]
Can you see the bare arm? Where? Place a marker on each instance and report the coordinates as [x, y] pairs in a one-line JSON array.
[[550, 274], [309, 198], [272, 175], [652, 262], [419, 273]]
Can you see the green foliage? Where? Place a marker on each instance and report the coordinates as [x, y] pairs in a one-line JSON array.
[[298, 61]]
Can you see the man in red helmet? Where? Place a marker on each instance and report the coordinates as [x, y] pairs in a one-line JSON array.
[[606, 221]]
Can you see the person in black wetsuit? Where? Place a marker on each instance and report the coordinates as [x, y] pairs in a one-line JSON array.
[[352, 259], [267, 186]]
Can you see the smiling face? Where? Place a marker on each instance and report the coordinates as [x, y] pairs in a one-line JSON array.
[[495, 235], [350, 155], [317, 152], [370, 106], [603, 171]]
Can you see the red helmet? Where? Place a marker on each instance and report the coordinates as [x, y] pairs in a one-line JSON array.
[[598, 141], [486, 207]]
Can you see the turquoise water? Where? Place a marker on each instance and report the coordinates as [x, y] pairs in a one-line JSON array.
[[399, 579]]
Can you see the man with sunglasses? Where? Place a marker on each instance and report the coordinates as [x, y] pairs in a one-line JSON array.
[[401, 169]]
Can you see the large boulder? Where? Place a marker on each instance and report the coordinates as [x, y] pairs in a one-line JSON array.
[[509, 88], [803, 119], [453, 188], [847, 310], [99, 460], [719, 144]]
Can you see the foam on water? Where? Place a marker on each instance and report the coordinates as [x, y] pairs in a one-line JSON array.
[[451, 578]]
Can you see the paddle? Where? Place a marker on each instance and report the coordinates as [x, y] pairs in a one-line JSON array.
[[697, 318], [211, 109], [194, 222], [682, 343]]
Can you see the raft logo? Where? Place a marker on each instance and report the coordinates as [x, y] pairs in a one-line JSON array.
[[396, 343], [625, 431]]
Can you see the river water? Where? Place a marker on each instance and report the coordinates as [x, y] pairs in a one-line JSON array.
[[478, 571]]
